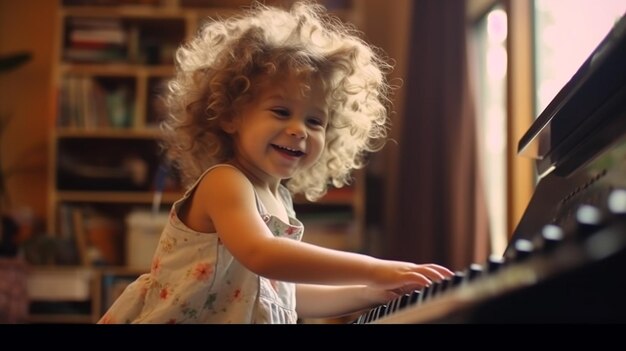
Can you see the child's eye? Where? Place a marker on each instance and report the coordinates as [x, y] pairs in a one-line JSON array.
[[282, 112], [318, 122]]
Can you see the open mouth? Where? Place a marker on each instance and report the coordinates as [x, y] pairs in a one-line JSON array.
[[288, 151]]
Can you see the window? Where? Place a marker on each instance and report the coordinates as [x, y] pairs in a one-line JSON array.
[[566, 32], [490, 37]]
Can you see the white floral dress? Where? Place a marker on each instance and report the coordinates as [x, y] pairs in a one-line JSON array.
[[195, 279]]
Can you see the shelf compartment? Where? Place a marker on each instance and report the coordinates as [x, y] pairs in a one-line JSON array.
[[131, 39], [116, 197], [96, 102], [121, 165], [122, 69]]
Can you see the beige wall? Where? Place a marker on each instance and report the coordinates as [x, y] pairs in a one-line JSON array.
[[25, 95]]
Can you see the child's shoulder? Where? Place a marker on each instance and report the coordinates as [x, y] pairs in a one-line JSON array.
[[223, 176], [220, 170]]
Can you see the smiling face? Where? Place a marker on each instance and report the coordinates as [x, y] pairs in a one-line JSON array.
[[282, 130]]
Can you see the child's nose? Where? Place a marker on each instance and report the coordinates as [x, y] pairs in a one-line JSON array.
[[297, 129]]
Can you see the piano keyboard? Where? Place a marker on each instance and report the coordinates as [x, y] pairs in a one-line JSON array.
[[558, 270]]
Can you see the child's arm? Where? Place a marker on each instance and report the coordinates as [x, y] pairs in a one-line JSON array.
[[226, 196], [325, 301]]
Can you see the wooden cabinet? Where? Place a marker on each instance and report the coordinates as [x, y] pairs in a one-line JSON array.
[[112, 60]]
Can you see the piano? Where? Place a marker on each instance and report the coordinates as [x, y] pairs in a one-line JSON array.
[[566, 258]]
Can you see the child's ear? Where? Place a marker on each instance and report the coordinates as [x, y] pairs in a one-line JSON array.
[[228, 126]]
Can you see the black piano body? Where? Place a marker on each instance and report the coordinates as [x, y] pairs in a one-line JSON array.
[[566, 257]]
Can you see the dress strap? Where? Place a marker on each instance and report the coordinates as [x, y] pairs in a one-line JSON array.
[[285, 196], [190, 189], [259, 205], [193, 186]]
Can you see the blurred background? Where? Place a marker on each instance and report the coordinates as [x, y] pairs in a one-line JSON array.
[[84, 187]]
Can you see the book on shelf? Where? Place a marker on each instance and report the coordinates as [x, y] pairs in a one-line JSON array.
[[82, 245], [87, 104], [95, 40]]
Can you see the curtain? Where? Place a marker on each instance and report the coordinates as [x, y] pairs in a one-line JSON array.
[[436, 209]]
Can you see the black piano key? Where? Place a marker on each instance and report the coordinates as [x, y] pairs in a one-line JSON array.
[[444, 284], [379, 312], [370, 315], [366, 317], [392, 306], [389, 308], [458, 278], [617, 203], [522, 249], [494, 263], [375, 313], [434, 289], [424, 295], [474, 271], [404, 301], [398, 303], [589, 219], [415, 297], [360, 320], [551, 235]]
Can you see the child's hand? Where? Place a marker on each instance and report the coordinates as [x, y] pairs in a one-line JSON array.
[[403, 277], [376, 296]]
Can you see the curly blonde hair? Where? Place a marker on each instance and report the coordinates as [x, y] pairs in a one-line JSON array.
[[222, 67]]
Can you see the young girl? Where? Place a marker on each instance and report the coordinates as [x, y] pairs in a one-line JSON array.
[[265, 105]]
